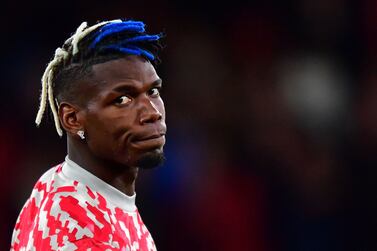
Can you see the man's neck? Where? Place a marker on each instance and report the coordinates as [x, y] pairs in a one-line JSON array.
[[119, 176]]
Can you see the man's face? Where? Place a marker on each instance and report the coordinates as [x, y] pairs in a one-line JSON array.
[[125, 115]]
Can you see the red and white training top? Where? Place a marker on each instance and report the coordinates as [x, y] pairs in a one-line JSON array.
[[71, 209]]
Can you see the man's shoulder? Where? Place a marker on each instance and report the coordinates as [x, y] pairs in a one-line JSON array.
[[63, 212], [59, 211], [65, 200], [41, 191]]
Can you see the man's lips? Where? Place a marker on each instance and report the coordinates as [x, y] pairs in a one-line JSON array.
[[149, 137], [145, 137], [155, 140]]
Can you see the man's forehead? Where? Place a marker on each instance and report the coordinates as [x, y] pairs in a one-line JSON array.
[[132, 67], [132, 71]]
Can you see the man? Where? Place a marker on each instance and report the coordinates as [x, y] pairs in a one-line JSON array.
[[103, 90]]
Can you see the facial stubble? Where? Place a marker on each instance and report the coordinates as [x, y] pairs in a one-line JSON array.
[[151, 159]]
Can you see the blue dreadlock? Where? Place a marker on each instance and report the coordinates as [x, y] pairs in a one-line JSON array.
[[132, 50], [127, 45], [107, 29]]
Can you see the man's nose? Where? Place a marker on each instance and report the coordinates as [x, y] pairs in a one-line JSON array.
[[149, 113]]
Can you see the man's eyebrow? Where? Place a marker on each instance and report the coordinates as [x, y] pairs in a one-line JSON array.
[[125, 89], [130, 88], [158, 82]]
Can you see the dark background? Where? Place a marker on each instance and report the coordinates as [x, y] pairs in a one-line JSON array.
[[271, 112]]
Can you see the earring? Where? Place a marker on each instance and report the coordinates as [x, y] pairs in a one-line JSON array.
[[81, 134]]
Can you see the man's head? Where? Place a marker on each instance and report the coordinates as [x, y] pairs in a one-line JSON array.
[[106, 85]]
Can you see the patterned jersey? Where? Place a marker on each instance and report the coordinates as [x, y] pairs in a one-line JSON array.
[[71, 209]]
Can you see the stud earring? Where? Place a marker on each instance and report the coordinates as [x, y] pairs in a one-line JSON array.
[[81, 134]]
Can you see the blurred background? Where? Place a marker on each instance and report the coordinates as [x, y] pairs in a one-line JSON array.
[[271, 112]]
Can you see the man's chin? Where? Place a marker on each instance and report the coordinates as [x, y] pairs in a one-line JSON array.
[[151, 159]]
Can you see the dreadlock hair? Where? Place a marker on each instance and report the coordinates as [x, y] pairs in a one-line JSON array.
[[88, 46]]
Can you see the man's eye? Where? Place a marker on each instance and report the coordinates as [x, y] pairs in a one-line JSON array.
[[154, 92], [122, 100]]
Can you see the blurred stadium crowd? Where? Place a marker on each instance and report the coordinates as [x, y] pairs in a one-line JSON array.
[[271, 112]]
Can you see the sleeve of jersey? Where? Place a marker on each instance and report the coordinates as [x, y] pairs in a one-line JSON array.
[[62, 222]]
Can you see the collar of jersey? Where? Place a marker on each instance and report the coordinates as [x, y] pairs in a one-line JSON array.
[[75, 172]]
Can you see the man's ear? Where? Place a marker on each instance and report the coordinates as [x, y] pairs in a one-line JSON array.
[[71, 117]]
